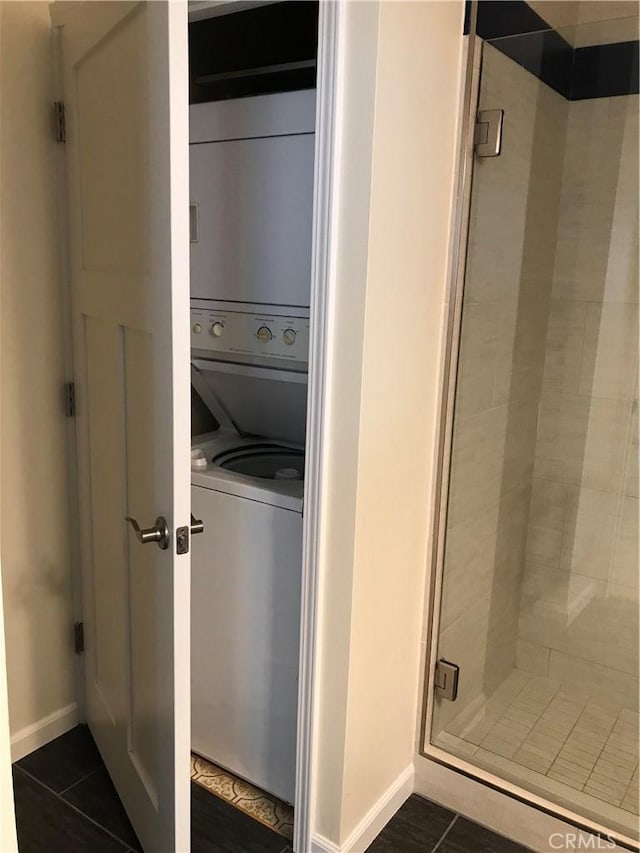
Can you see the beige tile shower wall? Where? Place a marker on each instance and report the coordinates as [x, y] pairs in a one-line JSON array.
[[507, 294], [580, 594]]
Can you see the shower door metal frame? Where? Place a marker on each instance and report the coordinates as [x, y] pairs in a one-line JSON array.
[[451, 346], [448, 382]]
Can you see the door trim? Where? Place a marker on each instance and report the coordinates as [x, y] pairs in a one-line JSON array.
[[66, 313], [322, 283]]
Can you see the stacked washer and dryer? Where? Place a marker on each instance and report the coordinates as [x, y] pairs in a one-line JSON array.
[[251, 164]]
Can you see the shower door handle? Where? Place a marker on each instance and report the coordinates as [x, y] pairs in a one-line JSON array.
[[159, 533]]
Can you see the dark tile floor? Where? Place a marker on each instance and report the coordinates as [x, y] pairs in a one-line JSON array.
[[65, 803], [421, 826]]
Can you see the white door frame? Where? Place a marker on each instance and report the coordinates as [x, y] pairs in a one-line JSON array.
[[322, 282]]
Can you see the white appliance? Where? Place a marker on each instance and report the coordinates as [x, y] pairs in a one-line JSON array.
[[250, 367], [251, 191]]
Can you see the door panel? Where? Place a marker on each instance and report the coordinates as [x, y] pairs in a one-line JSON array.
[[126, 87], [114, 140], [138, 361]]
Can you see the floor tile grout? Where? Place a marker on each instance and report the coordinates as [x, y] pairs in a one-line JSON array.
[[124, 845], [445, 833], [78, 782]]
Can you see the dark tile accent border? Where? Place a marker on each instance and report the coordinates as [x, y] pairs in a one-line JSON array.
[[500, 18], [605, 70], [600, 71], [545, 54]]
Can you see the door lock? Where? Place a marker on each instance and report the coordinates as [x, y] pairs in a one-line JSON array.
[[159, 533], [183, 533]]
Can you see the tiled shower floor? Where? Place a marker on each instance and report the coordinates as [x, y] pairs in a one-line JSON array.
[[564, 743]]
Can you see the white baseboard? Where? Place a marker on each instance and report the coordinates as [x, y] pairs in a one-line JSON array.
[[320, 844], [374, 821], [41, 732]]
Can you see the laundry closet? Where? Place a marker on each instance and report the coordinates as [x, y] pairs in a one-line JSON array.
[[251, 156]]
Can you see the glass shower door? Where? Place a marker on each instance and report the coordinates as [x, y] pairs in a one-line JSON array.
[[539, 594]]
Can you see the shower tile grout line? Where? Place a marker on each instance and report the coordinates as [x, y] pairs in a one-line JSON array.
[[509, 706], [517, 696], [598, 759], [125, 847], [560, 687], [564, 743]]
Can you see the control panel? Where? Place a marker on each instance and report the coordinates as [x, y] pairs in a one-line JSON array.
[[229, 331]]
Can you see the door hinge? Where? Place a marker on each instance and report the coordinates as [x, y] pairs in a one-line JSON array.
[[70, 399], [446, 680], [487, 137], [59, 121], [78, 637]]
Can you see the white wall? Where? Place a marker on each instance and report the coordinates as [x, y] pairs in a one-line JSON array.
[[34, 499], [400, 67]]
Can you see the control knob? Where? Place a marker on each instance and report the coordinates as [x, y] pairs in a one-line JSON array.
[[197, 329], [289, 337], [264, 334], [217, 329]]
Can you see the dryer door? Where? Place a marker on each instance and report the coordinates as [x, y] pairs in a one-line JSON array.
[[254, 203]]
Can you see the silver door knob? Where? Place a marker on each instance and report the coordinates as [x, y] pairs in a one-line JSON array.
[[197, 525], [159, 533]]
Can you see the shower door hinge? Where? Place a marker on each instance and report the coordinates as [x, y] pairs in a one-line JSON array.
[[70, 399], [78, 637], [59, 122], [446, 680], [487, 137]]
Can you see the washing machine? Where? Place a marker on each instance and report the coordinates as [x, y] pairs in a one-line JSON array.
[[249, 366]]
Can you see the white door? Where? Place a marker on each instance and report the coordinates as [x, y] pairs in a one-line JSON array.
[[125, 82]]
